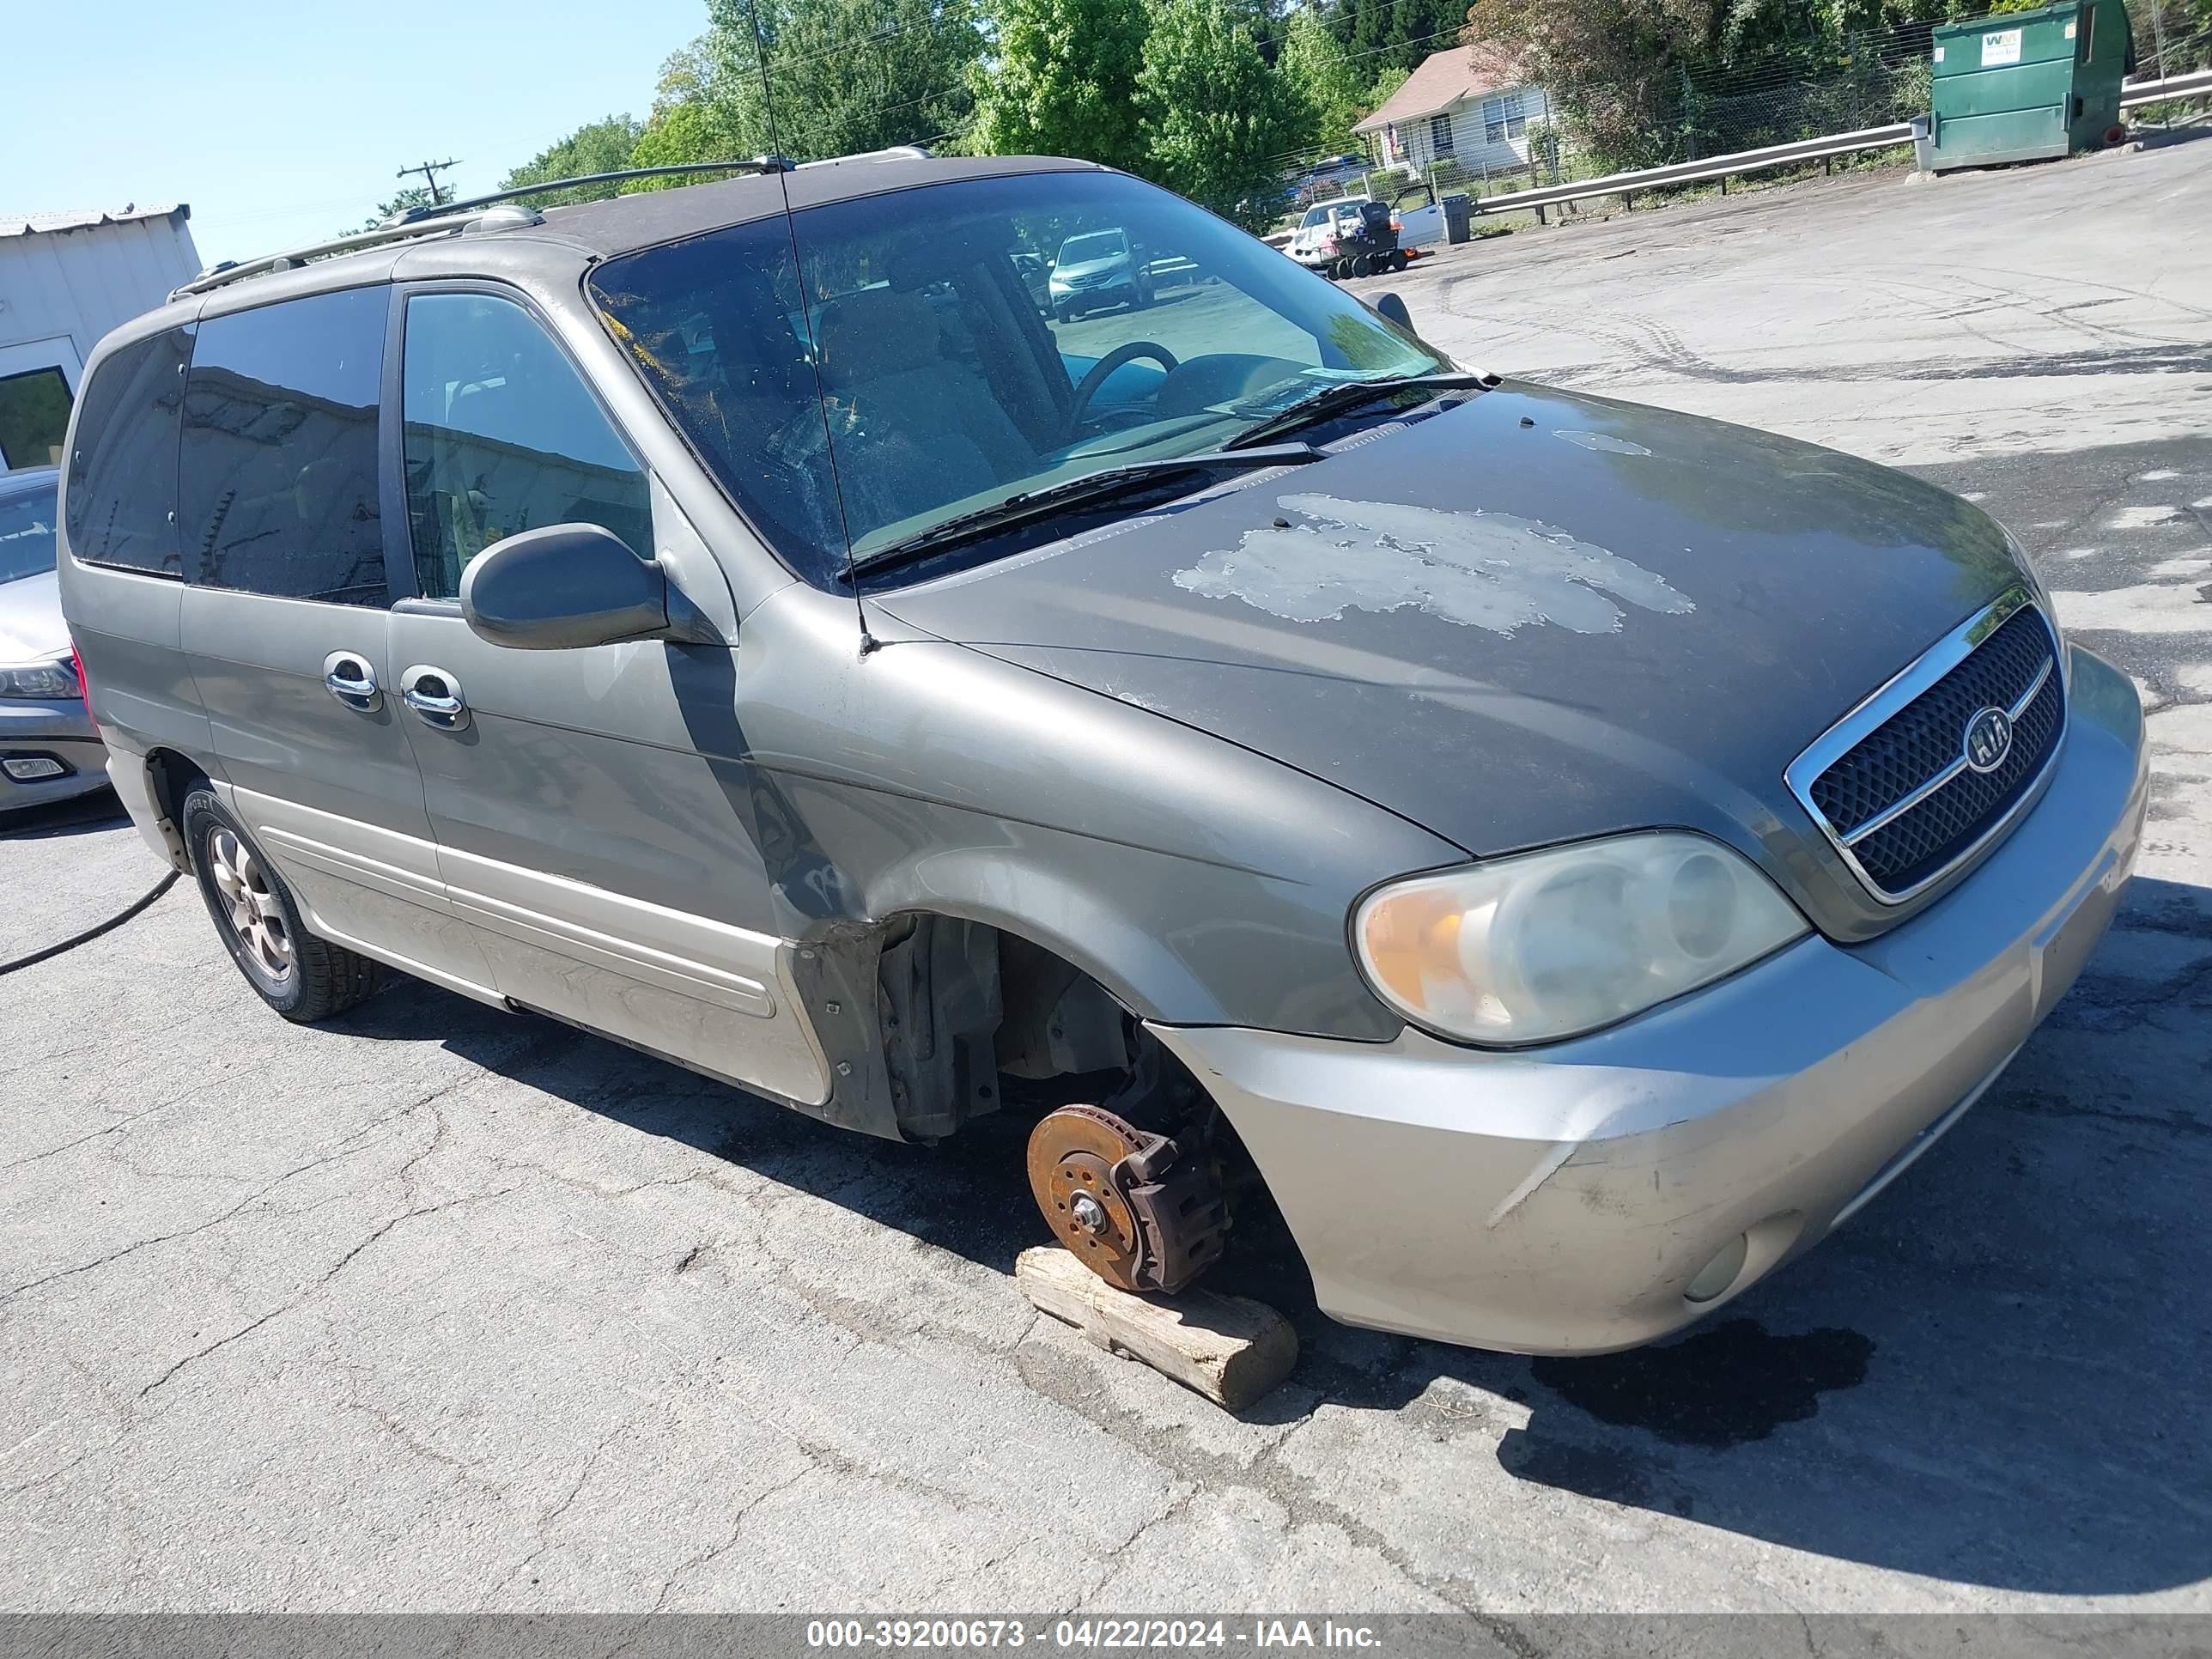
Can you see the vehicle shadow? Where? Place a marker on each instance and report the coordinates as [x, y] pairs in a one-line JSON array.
[[100, 810], [1995, 1375]]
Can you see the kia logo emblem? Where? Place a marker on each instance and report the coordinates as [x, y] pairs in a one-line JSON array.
[[1989, 740]]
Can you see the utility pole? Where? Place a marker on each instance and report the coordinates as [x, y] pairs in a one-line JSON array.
[[430, 170]]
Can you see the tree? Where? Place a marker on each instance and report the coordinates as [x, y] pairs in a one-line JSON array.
[[1216, 121], [1614, 68], [603, 146], [1064, 81], [850, 75], [843, 76], [1315, 66], [703, 110]]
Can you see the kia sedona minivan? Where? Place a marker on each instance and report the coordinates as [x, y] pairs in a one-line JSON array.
[[1571, 855]]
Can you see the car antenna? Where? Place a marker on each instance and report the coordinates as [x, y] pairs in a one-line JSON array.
[[868, 640]]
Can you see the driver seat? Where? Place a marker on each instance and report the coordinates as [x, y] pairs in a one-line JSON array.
[[931, 426]]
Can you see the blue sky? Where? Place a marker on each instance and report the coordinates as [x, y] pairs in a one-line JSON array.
[[284, 122]]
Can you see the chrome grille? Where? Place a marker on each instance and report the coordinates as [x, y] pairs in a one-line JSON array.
[[1890, 784]]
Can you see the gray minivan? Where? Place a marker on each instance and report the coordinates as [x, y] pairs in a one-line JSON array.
[[1571, 855]]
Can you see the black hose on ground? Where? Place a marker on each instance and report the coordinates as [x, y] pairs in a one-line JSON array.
[[92, 931]]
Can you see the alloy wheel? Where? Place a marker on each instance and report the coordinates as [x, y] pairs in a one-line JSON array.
[[250, 909]]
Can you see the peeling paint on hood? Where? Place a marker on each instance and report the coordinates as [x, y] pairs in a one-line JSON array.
[[1603, 441], [1483, 569]]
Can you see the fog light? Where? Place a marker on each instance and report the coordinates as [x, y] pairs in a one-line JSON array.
[[29, 769], [1717, 1275]]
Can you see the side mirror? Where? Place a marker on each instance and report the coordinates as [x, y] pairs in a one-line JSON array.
[[563, 585], [1391, 306]]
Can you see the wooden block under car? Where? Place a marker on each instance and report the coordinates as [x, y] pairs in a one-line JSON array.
[[1229, 1348]]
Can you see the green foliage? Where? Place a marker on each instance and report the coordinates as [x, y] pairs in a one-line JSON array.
[[1064, 81], [1315, 69], [843, 76], [1394, 34], [1214, 119], [603, 146]]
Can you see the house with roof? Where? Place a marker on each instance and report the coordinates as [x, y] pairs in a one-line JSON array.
[[1465, 104]]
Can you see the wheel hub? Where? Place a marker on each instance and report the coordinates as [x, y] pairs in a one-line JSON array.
[[1129, 1204], [249, 905]]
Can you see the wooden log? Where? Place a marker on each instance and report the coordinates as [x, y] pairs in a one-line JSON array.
[[1229, 1348]]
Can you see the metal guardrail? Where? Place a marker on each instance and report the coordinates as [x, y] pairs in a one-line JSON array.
[[2133, 95], [2197, 83], [1711, 167]]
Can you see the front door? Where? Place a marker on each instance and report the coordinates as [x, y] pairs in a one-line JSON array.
[[285, 623], [587, 803]]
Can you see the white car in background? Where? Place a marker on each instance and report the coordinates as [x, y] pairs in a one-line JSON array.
[[1314, 243]]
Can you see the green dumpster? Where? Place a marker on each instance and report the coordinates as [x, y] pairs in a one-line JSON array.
[[2025, 85]]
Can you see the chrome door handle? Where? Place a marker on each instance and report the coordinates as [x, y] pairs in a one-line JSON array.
[[436, 696], [348, 677]]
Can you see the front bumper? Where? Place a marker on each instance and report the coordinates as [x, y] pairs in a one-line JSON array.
[[59, 731], [1564, 1201]]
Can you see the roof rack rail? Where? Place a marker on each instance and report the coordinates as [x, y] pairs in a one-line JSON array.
[[434, 221], [890, 153], [417, 214], [234, 271]]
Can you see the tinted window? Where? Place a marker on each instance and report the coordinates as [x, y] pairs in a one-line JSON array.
[[27, 532], [280, 489], [503, 435], [122, 497]]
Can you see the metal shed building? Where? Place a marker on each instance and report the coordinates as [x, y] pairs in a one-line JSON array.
[[66, 279]]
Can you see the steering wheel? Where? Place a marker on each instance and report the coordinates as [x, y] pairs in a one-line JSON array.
[[1101, 370]]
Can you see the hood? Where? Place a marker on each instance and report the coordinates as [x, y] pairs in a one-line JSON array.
[[1533, 617], [31, 626]]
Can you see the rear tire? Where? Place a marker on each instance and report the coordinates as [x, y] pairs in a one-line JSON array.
[[303, 977]]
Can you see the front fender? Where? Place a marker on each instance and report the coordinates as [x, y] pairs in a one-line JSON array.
[[1198, 882]]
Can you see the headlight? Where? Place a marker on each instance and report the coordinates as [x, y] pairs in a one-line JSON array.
[[1549, 945], [46, 681]]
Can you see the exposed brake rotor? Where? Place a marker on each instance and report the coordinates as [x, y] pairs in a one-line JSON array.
[[1132, 1205]]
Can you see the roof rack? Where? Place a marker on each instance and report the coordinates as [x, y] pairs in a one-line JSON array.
[[418, 215], [236, 270], [448, 216]]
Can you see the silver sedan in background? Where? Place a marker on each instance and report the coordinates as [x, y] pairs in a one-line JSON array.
[[49, 748]]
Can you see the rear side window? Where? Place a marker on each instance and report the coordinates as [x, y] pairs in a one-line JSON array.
[[503, 435], [279, 459], [122, 499]]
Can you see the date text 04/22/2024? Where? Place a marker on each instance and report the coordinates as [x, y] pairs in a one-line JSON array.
[[1101, 1634]]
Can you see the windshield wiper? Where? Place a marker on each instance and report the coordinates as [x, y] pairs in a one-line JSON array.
[[1070, 492], [1347, 395]]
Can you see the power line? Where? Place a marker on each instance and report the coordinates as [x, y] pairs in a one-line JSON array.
[[430, 170]]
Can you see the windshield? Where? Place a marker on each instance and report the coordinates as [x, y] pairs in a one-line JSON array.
[[1104, 245], [26, 533], [949, 383]]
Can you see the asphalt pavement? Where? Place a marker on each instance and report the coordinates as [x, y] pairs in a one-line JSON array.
[[434, 1308]]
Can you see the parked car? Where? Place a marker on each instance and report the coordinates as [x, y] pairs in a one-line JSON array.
[[49, 750], [1570, 855], [1098, 269], [1332, 239]]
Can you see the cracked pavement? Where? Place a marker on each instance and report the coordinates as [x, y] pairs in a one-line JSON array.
[[433, 1308]]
